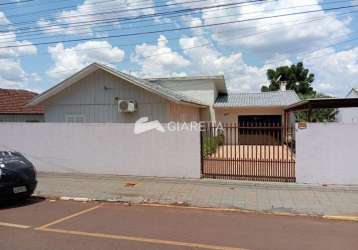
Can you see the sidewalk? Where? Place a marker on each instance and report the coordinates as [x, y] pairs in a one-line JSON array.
[[258, 196]]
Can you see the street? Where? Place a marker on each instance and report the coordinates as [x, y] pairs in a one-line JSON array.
[[53, 224]]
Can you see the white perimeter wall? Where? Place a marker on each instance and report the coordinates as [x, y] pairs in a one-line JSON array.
[[327, 153], [104, 149]]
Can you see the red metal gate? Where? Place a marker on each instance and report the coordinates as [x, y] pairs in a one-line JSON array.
[[250, 151]]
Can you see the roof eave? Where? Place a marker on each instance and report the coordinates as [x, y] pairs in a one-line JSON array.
[[62, 85], [194, 104], [252, 106], [21, 113], [83, 73]]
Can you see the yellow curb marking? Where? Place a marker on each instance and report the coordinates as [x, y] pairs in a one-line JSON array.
[[5, 224], [141, 239], [340, 217], [68, 217]]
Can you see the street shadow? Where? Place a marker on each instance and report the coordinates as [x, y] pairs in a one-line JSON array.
[[9, 204]]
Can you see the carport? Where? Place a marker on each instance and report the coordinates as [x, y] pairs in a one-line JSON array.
[[321, 103]]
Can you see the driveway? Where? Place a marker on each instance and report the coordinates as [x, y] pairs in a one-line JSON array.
[[93, 225]]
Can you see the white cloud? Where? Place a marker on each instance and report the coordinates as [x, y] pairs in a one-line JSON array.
[[90, 11], [3, 19], [208, 60], [9, 39], [281, 35], [159, 59], [12, 74], [336, 71], [70, 60]]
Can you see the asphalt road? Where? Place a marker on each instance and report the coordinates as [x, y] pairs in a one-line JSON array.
[[44, 224]]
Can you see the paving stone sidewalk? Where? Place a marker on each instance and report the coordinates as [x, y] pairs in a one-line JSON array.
[[258, 196]]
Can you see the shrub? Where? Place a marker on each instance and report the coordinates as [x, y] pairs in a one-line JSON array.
[[209, 145]]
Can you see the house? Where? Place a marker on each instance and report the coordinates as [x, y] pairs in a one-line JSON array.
[[96, 93], [13, 106], [348, 115]]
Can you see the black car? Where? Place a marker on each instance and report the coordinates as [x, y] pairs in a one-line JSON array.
[[17, 176]]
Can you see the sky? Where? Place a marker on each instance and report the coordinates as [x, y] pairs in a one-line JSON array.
[[43, 42]]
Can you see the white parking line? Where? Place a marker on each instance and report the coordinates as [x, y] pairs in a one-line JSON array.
[[5, 224]]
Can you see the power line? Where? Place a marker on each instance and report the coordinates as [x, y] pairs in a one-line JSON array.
[[178, 29], [32, 37], [242, 37], [217, 32], [239, 38], [233, 71], [71, 7], [203, 35], [140, 16], [17, 2], [155, 6], [126, 20], [355, 39], [110, 22], [106, 12], [25, 6]]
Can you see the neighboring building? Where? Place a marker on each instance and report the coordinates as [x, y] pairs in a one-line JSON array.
[[13, 106], [95, 94], [348, 115]]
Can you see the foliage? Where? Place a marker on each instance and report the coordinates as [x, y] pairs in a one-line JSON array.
[[220, 137], [298, 78], [210, 144], [317, 115]]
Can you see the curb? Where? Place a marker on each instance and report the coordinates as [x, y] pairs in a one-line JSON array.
[[340, 217], [209, 182], [188, 206]]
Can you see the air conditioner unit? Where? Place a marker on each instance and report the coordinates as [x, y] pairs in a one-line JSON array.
[[127, 106]]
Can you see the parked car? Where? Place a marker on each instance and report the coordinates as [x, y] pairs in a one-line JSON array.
[[17, 176]]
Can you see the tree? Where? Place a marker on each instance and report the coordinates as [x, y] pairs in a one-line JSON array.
[[317, 115], [298, 78]]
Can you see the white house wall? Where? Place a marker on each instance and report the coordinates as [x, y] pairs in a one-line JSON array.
[[94, 97], [348, 115]]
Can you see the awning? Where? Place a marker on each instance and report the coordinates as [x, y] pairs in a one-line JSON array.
[[321, 103]]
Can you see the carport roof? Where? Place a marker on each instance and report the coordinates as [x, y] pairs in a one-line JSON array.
[[320, 103], [262, 99]]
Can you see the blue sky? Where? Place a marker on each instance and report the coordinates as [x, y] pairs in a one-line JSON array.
[[326, 40]]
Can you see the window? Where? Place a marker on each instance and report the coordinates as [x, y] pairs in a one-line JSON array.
[[75, 118]]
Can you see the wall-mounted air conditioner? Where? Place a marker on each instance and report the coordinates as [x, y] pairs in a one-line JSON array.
[[127, 106]]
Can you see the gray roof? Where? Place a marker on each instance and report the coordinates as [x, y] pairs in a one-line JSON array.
[[263, 99], [149, 86], [158, 88]]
